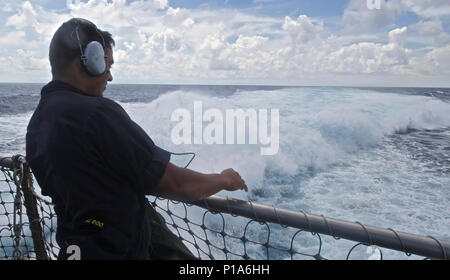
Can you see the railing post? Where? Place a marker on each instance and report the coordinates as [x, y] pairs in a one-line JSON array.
[[33, 215]]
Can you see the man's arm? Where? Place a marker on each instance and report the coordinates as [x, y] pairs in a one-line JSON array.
[[187, 185]]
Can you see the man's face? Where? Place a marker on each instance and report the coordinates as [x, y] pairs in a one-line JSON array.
[[97, 85]]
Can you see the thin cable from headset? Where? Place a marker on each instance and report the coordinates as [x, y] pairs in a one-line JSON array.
[[184, 154]]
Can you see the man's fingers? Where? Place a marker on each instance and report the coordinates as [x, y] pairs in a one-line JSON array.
[[238, 182], [244, 186]]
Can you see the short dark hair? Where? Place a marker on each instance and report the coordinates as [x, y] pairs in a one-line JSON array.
[[64, 47]]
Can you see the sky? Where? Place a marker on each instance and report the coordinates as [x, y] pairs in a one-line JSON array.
[[253, 42]]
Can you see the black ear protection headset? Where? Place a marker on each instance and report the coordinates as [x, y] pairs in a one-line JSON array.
[[93, 56]]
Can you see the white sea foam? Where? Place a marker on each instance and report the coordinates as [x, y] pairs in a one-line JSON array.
[[334, 156]]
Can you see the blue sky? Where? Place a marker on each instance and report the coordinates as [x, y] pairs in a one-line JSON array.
[[321, 42]]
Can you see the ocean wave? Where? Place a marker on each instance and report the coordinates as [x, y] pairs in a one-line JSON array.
[[318, 127]]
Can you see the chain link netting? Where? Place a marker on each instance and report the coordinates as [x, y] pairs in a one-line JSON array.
[[208, 233]]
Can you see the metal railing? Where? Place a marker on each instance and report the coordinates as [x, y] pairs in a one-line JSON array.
[[256, 232]]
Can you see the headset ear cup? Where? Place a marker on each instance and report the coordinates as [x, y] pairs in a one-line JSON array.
[[94, 59]]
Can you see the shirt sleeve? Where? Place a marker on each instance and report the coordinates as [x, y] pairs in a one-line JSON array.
[[126, 148]]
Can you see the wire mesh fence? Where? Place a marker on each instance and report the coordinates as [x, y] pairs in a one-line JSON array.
[[214, 228]]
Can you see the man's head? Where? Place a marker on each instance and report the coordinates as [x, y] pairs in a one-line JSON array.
[[65, 55]]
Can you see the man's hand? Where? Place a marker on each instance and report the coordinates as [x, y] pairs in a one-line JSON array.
[[234, 180]]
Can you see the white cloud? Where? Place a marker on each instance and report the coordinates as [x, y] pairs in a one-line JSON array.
[[245, 43], [172, 41], [24, 18], [428, 28], [24, 61], [176, 17], [428, 8], [161, 4], [220, 64], [117, 13], [397, 36], [213, 42], [368, 57], [358, 18], [302, 30], [434, 63], [129, 46], [13, 38], [40, 21], [442, 40]]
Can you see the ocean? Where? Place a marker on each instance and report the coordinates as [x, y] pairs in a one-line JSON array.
[[380, 156]]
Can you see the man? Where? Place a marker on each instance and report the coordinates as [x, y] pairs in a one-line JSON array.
[[95, 163]]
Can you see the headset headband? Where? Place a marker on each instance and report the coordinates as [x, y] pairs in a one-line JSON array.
[[81, 20]]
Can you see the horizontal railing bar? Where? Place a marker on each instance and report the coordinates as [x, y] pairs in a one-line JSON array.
[[386, 238]]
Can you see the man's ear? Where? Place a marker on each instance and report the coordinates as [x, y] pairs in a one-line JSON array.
[[76, 66], [77, 69]]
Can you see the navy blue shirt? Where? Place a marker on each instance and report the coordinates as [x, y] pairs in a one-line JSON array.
[[97, 165]]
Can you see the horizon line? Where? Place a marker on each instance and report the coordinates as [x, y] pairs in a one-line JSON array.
[[249, 85]]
